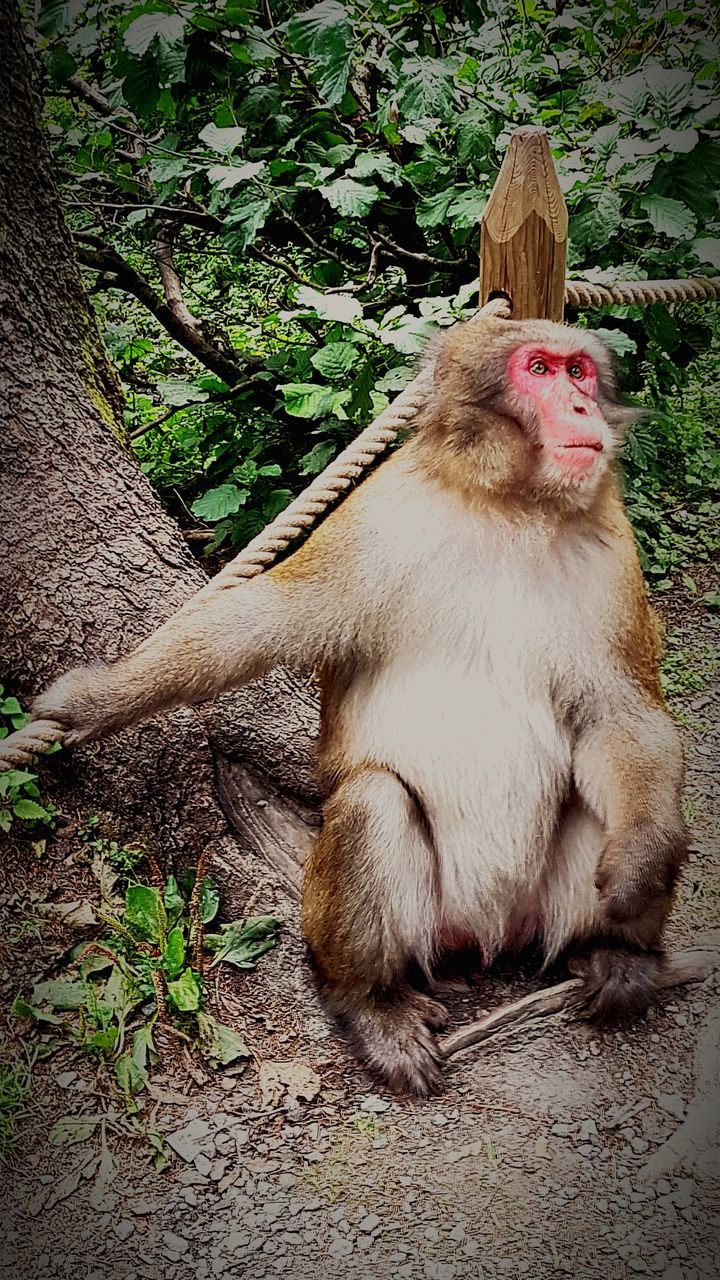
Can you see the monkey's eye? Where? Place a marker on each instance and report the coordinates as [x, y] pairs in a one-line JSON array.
[[576, 370], [538, 367]]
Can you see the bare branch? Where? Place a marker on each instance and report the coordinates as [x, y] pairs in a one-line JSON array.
[[693, 965], [172, 287], [220, 398], [102, 257], [400, 252]]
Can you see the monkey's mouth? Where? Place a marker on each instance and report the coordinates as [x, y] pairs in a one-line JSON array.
[[578, 456]]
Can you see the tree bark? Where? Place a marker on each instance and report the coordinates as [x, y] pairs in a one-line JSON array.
[[90, 563]]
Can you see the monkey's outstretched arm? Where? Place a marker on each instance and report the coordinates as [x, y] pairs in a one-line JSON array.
[[628, 767], [239, 634]]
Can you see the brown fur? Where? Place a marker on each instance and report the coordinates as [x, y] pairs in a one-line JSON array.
[[443, 582]]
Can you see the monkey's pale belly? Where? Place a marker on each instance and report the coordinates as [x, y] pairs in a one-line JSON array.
[[491, 767]]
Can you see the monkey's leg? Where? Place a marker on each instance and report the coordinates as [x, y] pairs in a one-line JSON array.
[[621, 959], [368, 915]]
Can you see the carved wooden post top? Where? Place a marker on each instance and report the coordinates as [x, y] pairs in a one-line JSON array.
[[524, 230]]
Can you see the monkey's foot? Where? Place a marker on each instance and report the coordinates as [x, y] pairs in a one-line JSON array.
[[620, 983], [395, 1034]]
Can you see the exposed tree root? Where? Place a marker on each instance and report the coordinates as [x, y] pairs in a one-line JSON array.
[[691, 965]]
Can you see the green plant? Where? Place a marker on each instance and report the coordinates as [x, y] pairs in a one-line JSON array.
[[149, 967], [319, 173], [15, 1094], [20, 796]]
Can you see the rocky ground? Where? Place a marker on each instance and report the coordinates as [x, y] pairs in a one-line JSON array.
[[540, 1159]]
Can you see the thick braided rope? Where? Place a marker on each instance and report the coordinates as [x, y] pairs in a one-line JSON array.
[[303, 513], [697, 289]]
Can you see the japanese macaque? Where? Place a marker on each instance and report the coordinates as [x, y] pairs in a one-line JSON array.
[[499, 764]]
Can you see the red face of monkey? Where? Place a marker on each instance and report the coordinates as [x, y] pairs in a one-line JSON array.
[[556, 393]]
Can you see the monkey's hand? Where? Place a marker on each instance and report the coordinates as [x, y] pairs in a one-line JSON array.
[[84, 703], [638, 868]]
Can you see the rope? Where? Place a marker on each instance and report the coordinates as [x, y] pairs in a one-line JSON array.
[[697, 289], [323, 492]]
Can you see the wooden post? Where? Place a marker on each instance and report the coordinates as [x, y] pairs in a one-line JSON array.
[[523, 241]]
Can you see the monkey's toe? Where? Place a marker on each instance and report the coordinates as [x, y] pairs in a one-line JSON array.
[[620, 983]]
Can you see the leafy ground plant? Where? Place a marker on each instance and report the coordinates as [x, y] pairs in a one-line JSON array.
[[148, 971], [15, 1094], [20, 798]]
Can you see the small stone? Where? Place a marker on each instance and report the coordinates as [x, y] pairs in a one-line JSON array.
[[640, 1146], [124, 1229], [174, 1242], [564, 1130], [458, 1232], [369, 1224], [673, 1104], [189, 1196], [374, 1105], [365, 1242], [287, 1180], [203, 1165], [189, 1141], [65, 1079], [588, 1129], [431, 1233]]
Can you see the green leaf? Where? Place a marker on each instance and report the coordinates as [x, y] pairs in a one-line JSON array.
[[61, 993], [209, 900], [318, 458], [307, 399], [325, 34], [221, 1045], [242, 225], [29, 810], [335, 360], [226, 500], [166, 27], [53, 17], [72, 1129], [424, 90], [144, 913], [670, 217], [176, 391], [707, 249], [10, 707], [174, 953], [352, 199], [61, 66], [242, 943], [172, 899], [330, 306], [22, 1009], [377, 164], [433, 210], [185, 993], [466, 209], [224, 141], [226, 176], [679, 141], [621, 343], [275, 503]]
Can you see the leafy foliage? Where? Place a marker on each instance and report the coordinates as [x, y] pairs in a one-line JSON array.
[[20, 797], [147, 968], [320, 172]]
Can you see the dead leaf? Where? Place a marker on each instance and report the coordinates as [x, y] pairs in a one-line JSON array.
[[294, 1078], [76, 915]]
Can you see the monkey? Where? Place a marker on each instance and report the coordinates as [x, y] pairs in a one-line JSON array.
[[499, 765]]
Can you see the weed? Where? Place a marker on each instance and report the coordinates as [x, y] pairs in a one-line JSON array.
[[15, 1092], [148, 969], [20, 797]]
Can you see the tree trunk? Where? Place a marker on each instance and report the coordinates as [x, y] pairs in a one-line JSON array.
[[90, 563]]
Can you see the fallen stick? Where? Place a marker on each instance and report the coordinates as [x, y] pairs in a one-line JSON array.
[[691, 965]]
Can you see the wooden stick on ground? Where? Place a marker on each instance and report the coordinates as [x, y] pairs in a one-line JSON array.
[[691, 965]]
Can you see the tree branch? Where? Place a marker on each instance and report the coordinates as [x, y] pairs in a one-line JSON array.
[[102, 257], [172, 287], [220, 398]]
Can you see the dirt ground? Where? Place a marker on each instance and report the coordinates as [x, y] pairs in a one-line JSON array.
[[533, 1163]]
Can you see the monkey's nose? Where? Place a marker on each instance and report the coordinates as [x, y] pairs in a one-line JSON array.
[[579, 407]]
